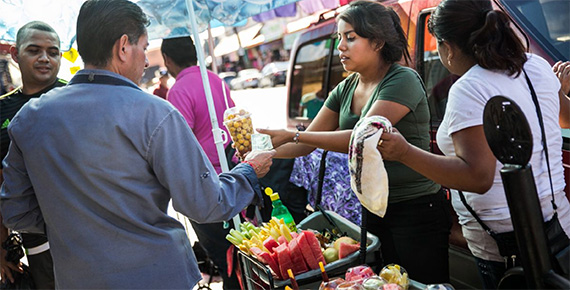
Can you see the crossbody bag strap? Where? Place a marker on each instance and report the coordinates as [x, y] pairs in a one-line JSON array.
[[539, 114], [541, 123], [93, 78], [470, 209]]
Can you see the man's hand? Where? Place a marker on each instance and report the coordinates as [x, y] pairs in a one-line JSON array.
[[6, 267], [260, 161]]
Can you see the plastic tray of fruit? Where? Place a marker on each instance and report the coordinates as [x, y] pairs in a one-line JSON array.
[[257, 274]]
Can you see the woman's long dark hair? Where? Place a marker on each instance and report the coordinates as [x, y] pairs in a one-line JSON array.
[[378, 23], [480, 32]]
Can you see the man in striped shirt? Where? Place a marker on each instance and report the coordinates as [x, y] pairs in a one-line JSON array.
[[38, 56]]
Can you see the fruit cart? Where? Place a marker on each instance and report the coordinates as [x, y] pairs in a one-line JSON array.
[[256, 275]]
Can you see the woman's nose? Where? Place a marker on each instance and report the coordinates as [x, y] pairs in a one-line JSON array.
[[341, 45]]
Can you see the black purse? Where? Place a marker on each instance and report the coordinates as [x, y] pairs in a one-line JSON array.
[[558, 242]]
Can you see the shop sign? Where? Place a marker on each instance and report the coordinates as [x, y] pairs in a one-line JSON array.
[[272, 30]]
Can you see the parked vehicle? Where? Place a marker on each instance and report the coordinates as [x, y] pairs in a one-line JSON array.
[[227, 76], [274, 73], [246, 78], [315, 66]]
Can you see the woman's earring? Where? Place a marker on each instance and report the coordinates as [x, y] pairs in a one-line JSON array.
[[449, 62]]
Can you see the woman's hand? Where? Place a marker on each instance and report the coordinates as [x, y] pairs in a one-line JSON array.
[[393, 146], [562, 71], [278, 136]]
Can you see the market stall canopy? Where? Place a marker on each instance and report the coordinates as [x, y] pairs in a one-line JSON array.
[[247, 37], [165, 15]]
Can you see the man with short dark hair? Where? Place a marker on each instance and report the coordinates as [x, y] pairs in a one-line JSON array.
[[38, 56], [188, 96], [96, 163]]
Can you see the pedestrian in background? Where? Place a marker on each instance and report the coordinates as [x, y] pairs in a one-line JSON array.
[[162, 88], [96, 163], [414, 232], [38, 56], [188, 96], [478, 44]]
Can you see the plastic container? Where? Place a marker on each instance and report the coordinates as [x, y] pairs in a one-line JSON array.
[[396, 274], [238, 122], [348, 285], [256, 275], [373, 283], [332, 284], [280, 211]]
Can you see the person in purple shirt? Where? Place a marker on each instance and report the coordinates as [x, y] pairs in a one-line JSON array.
[[188, 96]]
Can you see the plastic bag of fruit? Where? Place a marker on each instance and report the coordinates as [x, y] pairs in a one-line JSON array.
[[238, 122]]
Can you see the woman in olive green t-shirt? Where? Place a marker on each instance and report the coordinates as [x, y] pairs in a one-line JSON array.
[[415, 230]]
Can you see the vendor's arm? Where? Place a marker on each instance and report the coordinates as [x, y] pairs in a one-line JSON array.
[[472, 170], [321, 134]]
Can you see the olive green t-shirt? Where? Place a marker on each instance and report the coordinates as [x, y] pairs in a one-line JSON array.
[[403, 86]]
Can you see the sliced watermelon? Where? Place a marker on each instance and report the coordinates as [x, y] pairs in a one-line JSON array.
[[284, 257], [282, 240], [299, 265], [315, 247], [345, 249], [266, 259], [276, 271], [270, 243], [307, 252]]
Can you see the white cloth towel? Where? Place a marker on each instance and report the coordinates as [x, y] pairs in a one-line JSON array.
[[368, 177]]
